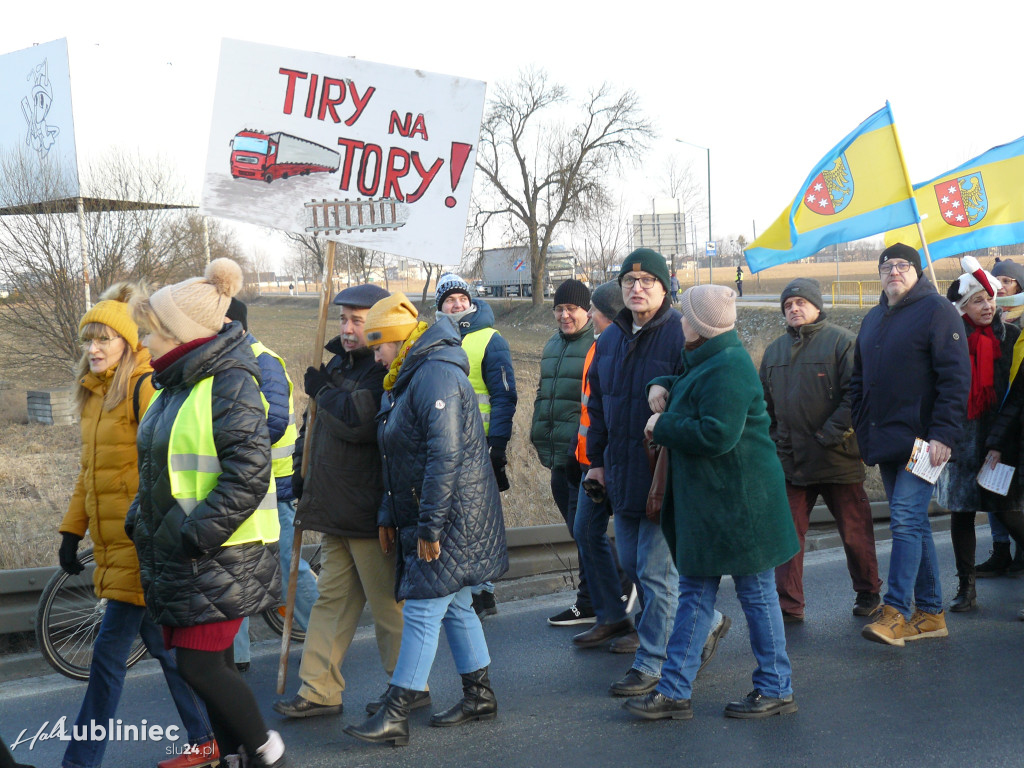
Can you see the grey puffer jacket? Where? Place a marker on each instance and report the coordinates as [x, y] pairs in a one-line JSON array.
[[806, 378], [188, 576], [438, 480]]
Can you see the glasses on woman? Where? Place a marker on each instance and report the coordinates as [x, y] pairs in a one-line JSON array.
[[646, 282], [899, 266], [101, 341]]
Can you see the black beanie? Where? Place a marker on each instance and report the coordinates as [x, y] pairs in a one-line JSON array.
[[901, 251], [573, 292], [238, 312], [805, 288]]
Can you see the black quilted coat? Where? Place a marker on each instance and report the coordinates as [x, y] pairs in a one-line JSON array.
[[438, 480], [188, 577]]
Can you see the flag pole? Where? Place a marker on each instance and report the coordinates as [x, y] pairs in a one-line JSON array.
[[913, 197]]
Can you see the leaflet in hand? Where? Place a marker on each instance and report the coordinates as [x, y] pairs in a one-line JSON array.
[[996, 479], [920, 463]]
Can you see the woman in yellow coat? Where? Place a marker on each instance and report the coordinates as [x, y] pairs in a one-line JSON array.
[[113, 390]]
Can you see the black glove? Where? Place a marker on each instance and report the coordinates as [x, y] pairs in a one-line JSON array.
[[297, 484], [315, 380], [68, 554], [498, 463]]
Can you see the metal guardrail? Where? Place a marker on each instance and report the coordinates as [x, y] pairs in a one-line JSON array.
[[532, 551], [862, 293]]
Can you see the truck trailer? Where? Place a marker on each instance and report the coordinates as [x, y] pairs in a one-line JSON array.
[[269, 156], [507, 271]]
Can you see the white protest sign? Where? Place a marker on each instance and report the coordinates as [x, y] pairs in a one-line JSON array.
[[36, 122], [367, 154]]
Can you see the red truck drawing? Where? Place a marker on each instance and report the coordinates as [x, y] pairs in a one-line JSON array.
[[269, 156]]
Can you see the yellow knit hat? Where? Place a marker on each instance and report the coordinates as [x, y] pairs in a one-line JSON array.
[[195, 308], [113, 311], [390, 319]]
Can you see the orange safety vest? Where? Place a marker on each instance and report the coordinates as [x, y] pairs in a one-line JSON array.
[[581, 444]]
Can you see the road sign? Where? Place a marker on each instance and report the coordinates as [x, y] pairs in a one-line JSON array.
[[711, 248], [519, 264]]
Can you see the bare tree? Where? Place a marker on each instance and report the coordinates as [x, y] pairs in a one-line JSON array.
[[546, 173], [601, 240], [136, 235]]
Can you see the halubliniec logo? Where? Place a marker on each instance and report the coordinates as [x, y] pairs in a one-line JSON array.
[[962, 201], [111, 730], [831, 190]]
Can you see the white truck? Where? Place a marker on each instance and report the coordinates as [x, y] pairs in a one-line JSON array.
[[507, 271]]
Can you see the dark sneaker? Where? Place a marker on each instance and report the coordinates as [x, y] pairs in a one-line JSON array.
[[867, 604], [572, 616], [755, 705], [711, 644], [300, 707], [484, 604], [635, 683], [656, 706]]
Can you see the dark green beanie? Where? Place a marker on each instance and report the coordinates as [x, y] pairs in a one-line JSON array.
[[646, 260]]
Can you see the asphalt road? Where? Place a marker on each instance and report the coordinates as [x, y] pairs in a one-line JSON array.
[[944, 702]]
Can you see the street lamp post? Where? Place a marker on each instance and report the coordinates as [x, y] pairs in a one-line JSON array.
[[710, 240]]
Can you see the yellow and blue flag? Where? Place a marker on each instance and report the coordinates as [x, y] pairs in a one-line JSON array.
[[980, 204], [859, 189]]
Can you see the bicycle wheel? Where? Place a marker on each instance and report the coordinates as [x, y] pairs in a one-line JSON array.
[[275, 616], [68, 619]]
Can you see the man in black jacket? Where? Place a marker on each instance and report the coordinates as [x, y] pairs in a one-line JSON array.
[[340, 496], [911, 376], [806, 378]]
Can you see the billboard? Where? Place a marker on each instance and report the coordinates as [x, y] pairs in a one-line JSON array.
[[366, 154], [37, 130]]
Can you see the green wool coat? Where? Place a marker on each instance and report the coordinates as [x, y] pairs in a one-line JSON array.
[[725, 508]]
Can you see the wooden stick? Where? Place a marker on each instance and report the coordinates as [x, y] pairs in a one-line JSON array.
[[293, 570]]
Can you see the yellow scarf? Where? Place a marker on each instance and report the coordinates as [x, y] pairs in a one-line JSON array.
[[396, 364]]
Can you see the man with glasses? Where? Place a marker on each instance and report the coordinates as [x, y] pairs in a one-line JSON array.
[[644, 341], [911, 377]]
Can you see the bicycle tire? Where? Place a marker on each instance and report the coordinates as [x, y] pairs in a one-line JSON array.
[[274, 617], [68, 619]]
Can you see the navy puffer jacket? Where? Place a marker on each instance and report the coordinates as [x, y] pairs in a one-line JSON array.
[[183, 588], [623, 364], [438, 480], [911, 375]]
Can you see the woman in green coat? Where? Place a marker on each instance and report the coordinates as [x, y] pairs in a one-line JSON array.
[[725, 508]]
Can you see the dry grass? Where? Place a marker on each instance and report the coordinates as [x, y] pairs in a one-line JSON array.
[[40, 463]]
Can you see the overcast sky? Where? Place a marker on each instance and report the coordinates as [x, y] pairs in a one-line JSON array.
[[770, 87]]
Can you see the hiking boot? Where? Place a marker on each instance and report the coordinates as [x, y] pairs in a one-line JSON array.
[[966, 598], [867, 604], [484, 604], [998, 563], [889, 628], [923, 624], [573, 615]]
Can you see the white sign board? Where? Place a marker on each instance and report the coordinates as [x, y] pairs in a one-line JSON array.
[[37, 128], [367, 154], [711, 248]]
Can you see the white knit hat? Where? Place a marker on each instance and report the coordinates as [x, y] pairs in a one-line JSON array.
[[195, 308], [710, 309]]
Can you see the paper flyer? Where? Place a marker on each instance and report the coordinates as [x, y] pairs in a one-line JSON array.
[[996, 480], [920, 463]]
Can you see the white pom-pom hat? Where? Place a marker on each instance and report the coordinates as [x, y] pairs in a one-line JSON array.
[[974, 280], [195, 308]]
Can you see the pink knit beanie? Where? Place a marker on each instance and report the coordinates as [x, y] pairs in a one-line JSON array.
[[710, 309]]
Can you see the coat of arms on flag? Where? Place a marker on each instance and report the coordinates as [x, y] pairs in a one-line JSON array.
[[832, 189], [962, 201]]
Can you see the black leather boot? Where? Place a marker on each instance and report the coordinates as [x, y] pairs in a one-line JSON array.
[[478, 702], [966, 597], [391, 721], [998, 563]]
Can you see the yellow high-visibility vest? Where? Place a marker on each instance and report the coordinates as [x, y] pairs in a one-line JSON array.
[[281, 451], [475, 345], [194, 468]]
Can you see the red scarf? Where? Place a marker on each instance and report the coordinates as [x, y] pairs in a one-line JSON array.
[[984, 348]]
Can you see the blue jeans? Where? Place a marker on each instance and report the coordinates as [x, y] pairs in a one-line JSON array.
[[487, 586], [645, 557], [773, 676], [913, 565], [423, 620], [306, 592], [122, 623], [590, 529], [999, 532]]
